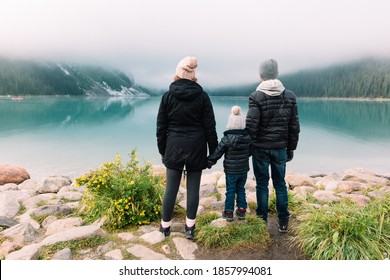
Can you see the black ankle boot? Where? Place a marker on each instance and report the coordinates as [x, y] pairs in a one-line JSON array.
[[190, 231], [165, 231]]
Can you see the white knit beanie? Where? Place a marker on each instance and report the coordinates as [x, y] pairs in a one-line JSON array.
[[236, 119], [186, 68]]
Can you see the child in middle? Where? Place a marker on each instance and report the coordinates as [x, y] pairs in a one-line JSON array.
[[235, 144]]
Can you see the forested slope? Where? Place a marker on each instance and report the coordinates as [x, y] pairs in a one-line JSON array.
[[27, 77], [367, 78]]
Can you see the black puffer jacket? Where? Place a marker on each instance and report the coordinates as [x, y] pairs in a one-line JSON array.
[[272, 121], [235, 144], [185, 126]]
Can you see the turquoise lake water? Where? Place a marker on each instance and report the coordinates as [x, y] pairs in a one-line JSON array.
[[71, 135]]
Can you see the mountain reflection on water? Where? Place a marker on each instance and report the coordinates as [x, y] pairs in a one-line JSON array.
[[70, 135]]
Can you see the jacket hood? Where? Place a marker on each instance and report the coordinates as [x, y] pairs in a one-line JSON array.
[[185, 89], [271, 87]]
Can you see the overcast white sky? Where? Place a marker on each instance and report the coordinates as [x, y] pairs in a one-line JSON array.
[[229, 37]]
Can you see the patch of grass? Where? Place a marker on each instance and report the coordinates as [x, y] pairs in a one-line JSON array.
[[345, 231], [22, 209], [252, 206], [311, 199], [206, 219], [42, 203], [234, 235], [321, 188], [370, 189], [39, 218], [3, 238], [127, 256], [293, 203], [217, 195], [74, 245]]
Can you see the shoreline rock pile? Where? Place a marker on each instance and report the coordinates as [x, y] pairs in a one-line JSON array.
[[23, 235]]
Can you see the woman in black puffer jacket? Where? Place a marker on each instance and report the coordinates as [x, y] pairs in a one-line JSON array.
[[185, 128]]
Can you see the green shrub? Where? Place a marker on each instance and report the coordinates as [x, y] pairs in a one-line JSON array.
[[345, 231], [125, 194], [234, 235]]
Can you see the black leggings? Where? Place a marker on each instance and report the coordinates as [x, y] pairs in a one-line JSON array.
[[173, 184]]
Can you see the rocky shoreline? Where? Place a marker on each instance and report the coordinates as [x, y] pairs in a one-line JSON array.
[[24, 236]]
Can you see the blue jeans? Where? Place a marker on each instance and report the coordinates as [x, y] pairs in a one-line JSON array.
[[235, 184], [262, 159]]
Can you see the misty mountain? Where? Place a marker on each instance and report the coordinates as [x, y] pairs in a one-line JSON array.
[[25, 77], [366, 78]]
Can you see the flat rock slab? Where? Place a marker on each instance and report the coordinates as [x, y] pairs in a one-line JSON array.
[[185, 247], [73, 234], [145, 253]]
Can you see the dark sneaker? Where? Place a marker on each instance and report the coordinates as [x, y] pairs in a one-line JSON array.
[[190, 231], [240, 213], [283, 226], [165, 231], [228, 215]]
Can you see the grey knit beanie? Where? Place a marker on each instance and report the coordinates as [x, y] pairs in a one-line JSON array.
[[269, 69]]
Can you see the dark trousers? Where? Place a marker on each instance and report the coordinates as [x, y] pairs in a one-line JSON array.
[[173, 184]]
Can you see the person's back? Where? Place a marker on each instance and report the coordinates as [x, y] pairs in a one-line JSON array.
[[235, 145], [186, 105], [273, 124], [277, 126], [185, 129], [186, 116]]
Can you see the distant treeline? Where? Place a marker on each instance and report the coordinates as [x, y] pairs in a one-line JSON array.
[[368, 78], [25, 77]]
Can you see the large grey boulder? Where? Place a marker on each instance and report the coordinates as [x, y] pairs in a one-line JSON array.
[[61, 209], [52, 184]]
